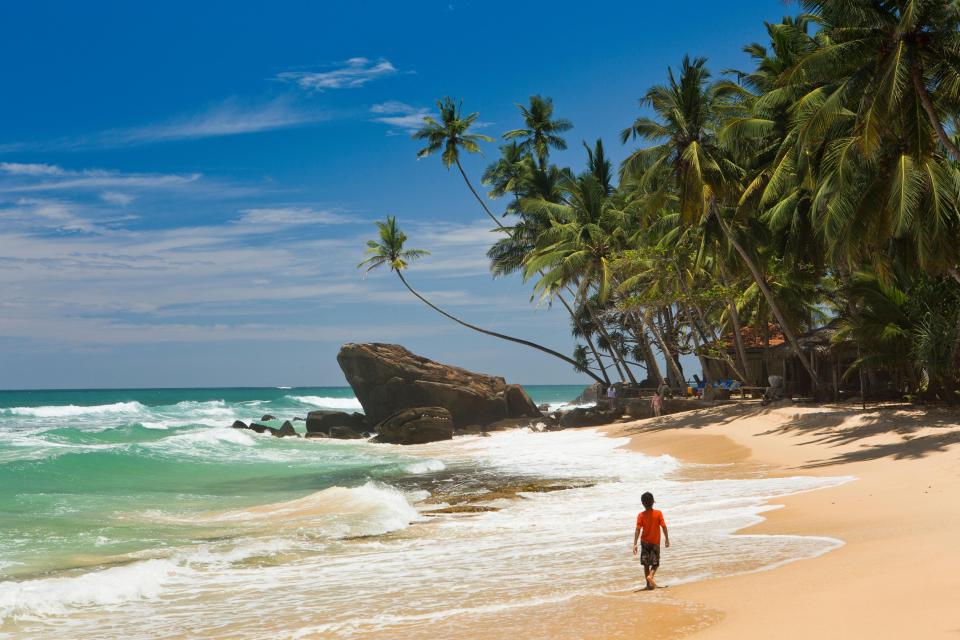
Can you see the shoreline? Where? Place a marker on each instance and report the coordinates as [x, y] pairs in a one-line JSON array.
[[901, 503]]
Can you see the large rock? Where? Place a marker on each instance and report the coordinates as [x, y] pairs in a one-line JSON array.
[[344, 433], [324, 421], [285, 431], [387, 378], [416, 426], [519, 404], [588, 417]]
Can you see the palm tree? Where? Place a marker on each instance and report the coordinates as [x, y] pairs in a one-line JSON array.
[[542, 131], [449, 135], [508, 173], [389, 251], [886, 55], [690, 110]]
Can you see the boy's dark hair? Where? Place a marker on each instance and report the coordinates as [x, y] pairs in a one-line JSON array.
[[646, 500]]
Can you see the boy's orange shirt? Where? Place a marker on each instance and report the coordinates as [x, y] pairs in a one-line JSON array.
[[649, 523]]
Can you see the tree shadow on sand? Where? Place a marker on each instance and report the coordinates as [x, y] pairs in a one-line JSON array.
[[902, 420], [843, 425]]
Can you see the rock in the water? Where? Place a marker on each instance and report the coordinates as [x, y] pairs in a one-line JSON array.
[[267, 418], [519, 404], [285, 430], [543, 407], [512, 423], [387, 378], [239, 424], [323, 421], [416, 426], [259, 428], [589, 417], [344, 433], [316, 434]]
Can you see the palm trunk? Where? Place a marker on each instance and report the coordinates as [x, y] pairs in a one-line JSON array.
[[618, 358], [527, 343], [702, 326], [477, 196], [586, 336], [652, 364], [735, 321], [927, 102], [762, 283], [671, 365]]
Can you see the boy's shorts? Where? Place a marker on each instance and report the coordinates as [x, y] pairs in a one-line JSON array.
[[650, 554]]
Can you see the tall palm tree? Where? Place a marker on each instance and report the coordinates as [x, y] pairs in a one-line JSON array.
[[888, 54], [450, 135], [690, 110], [542, 131], [508, 173], [389, 251]]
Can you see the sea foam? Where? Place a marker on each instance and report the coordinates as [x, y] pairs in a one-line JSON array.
[[327, 402]]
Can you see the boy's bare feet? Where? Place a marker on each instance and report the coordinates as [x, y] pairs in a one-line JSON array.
[[651, 583]]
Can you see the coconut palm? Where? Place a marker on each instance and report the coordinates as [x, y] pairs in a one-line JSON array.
[[449, 135], [389, 251], [542, 132], [690, 110]]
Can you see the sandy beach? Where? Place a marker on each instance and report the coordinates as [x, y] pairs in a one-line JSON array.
[[898, 573]]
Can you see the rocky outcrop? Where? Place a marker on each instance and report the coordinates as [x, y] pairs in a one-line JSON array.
[[344, 433], [324, 421], [416, 426], [519, 404], [267, 418], [284, 431], [589, 417], [387, 379]]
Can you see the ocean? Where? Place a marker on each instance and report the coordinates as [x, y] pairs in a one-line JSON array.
[[142, 514]]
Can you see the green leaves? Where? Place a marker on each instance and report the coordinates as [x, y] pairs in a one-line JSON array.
[[389, 250]]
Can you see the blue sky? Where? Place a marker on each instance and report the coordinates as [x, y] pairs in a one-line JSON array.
[[186, 188]]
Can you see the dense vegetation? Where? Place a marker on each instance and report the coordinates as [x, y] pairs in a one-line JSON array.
[[820, 185]]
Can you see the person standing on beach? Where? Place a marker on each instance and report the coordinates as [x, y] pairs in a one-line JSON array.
[[649, 523], [611, 396], [656, 403]]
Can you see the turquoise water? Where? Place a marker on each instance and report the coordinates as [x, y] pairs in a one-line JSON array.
[[143, 514], [85, 472]]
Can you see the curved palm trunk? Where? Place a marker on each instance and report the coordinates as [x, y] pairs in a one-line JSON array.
[[615, 354], [527, 343], [735, 321], [927, 102], [586, 336], [701, 327], [671, 365], [649, 357], [477, 196], [762, 283]]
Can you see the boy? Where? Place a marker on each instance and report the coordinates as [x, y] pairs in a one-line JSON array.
[[649, 523]]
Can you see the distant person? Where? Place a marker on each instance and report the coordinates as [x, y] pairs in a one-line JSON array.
[[656, 403], [611, 396], [649, 523]]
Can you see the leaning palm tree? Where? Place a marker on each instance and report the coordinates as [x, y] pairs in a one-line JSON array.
[[449, 135], [689, 110], [542, 132], [389, 251]]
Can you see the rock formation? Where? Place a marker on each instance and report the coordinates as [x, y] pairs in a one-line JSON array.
[[416, 426], [387, 378]]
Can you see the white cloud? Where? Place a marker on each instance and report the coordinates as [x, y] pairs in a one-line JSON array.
[[351, 74], [228, 118], [400, 115], [30, 169], [117, 198], [291, 216], [225, 119], [59, 179]]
